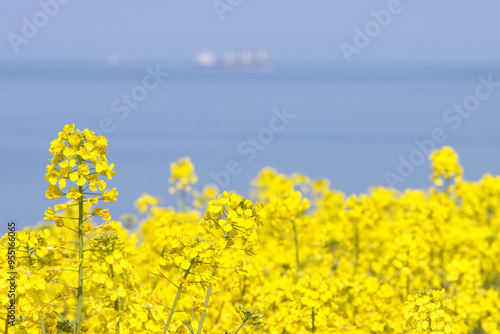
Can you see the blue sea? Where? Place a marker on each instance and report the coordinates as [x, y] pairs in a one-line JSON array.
[[359, 126]]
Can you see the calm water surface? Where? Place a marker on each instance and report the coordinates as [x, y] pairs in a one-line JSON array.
[[350, 125]]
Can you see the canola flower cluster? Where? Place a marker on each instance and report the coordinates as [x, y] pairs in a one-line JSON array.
[[299, 257]]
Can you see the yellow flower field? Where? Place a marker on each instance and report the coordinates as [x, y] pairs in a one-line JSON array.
[[295, 257]]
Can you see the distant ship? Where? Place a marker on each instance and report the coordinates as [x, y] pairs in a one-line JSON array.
[[232, 61]]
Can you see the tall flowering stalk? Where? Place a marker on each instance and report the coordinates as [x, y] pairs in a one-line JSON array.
[[445, 167], [231, 222], [79, 157], [285, 206], [182, 177], [227, 233]]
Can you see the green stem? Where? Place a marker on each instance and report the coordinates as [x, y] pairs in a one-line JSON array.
[[241, 326], [244, 290], [43, 326], [117, 304], [204, 313], [347, 300], [117, 308], [29, 257], [79, 303], [220, 312], [205, 305], [7, 324], [156, 278], [313, 329], [172, 310]]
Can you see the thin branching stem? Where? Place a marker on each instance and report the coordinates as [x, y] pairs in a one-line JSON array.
[[238, 329], [172, 310], [205, 305], [79, 303]]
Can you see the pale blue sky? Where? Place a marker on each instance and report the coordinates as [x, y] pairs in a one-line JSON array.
[[425, 31]]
